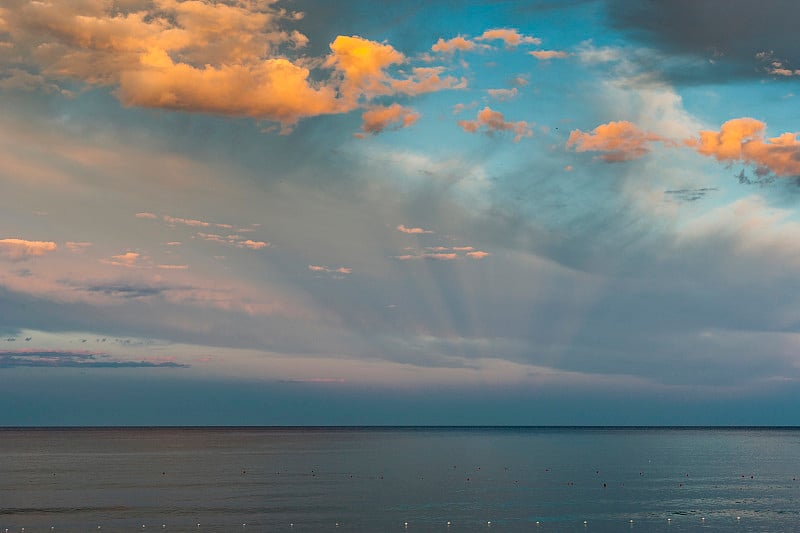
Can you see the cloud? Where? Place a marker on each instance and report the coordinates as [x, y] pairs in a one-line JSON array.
[[478, 254], [445, 253], [253, 245], [125, 290], [402, 228], [173, 267], [509, 36], [77, 247], [451, 45], [502, 95], [362, 63], [186, 222], [742, 139], [549, 54], [146, 215], [376, 119], [127, 260], [53, 359], [426, 80], [494, 121], [233, 240], [437, 256], [21, 249], [230, 59], [728, 32], [619, 141], [328, 270]]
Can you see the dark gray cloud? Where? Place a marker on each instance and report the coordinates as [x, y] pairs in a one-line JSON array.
[[58, 358], [726, 35], [688, 195]]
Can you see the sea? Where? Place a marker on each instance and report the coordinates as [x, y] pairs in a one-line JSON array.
[[403, 479]]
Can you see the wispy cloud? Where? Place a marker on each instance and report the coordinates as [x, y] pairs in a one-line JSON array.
[[52, 359], [328, 270], [413, 231]]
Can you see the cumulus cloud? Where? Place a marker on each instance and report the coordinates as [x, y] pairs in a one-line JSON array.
[[618, 141], [21, 249], [376, 119], [509, 36], [451, 45], [549, 54], [402, 228], [742, 139], [493, 121], [233, 240]]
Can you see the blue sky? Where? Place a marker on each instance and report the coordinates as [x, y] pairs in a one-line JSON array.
[[574, 212]]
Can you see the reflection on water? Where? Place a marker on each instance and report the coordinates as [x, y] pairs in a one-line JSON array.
[[406, 479]]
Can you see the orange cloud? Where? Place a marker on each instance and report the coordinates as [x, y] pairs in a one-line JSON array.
[[377, 119], [363, 64], [173, 267], [227, 58], [620, 141], [549, 54], [416, 231], [253, 245], [478, 254], [742, 139], [21, 249], [451, 45], [493, 121], [509, 36], [146, 215]]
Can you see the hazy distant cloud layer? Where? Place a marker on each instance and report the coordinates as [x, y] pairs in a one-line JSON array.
[[54, 359]]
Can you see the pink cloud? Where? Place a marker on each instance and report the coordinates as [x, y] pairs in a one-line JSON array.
[[173, 267], [619, 141], [413, 231], [21, 249], [493, 121], [478, 254], [146, 215]]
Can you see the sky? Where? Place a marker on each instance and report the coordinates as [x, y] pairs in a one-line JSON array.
[[263, 212]]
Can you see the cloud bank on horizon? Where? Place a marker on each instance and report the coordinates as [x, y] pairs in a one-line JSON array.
[[539, 196]]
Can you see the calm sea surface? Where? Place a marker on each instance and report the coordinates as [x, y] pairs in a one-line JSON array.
[[370, 479]]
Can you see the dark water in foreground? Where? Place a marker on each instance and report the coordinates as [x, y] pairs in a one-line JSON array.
[[370, 479]]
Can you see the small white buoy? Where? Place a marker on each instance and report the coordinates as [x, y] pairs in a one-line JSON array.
[[631, 520]]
